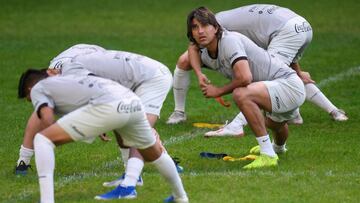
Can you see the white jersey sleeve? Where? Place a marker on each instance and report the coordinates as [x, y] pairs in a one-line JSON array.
[[40, 97], [72, 52]]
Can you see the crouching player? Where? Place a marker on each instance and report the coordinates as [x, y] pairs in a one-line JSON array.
[[91, 106]]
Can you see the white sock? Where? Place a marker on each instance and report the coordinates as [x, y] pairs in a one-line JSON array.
[[124, 155], [279, 148], [25, 155], [239, 120], [266, 146], [45, 165], [133, 171], [167, 169], [180, 87], [315, 96]]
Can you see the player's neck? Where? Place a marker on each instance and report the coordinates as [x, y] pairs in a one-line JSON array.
[[213, 48]]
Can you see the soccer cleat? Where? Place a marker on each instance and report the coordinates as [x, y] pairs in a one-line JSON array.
[[256, 150], [178, 200], [22, 168], [176, 117], [118, 181], [179, 168], [339, 115], [298, 120], [263, 161], [227, 131], [119, 192]]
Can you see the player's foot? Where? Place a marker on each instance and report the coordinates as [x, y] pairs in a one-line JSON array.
[[179, 168], [178, 200], [21, 168], [176, 117], [263, 161], [118, 181], [278, 150], [298, 120], [227, 130], [119, 192], [339, 115]]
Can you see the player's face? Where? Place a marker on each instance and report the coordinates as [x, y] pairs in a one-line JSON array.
[[204, 35]]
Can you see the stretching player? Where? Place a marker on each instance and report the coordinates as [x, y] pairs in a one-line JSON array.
[[259, 81], [149, 79], [278, 30], [95, 106]]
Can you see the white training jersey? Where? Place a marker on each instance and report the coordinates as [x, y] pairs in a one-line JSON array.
[[234, 46], [72, 52], [67, 93], [128, 69], [259, 22]]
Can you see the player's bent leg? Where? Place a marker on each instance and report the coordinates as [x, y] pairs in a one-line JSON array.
[[167, 169], [44, 144], [180, 87], [315, 96]]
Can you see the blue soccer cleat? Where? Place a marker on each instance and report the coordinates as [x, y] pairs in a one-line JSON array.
[[119, 192], [118, 181], [22, 168], [177, 200]]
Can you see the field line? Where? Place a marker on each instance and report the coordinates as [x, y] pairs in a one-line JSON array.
[[340, 76]]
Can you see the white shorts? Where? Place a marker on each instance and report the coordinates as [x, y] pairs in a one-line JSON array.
[[153, 92], [290, 42], [286, 95], [125, 117]]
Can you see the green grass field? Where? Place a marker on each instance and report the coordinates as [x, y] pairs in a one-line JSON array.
[[322, 162]]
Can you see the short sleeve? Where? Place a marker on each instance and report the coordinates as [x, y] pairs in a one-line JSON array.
[[234, 50], [39, 97]]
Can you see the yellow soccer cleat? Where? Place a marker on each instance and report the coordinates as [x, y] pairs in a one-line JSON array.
[[255, 150], [263, 161]]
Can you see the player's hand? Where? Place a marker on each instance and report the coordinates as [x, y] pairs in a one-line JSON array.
[[104, 137], [210, 91], [305, 77], [203, 80]]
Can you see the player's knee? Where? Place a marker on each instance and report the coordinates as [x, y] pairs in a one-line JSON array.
[[41, 140], [239, 96], [183, 62]]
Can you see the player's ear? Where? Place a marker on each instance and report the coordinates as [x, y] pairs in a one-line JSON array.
[[28, 94], [51, 72]]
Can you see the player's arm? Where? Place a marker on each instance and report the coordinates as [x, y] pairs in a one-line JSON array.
[[304, 76], [46, 115], [242, 78], [33, 126], [195, 63]]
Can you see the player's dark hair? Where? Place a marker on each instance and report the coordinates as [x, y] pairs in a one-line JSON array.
[[205, 17], [28, 79]]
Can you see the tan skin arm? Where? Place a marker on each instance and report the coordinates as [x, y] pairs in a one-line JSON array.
[[304, 76], [242, 78], [195, 63], [35, 125]]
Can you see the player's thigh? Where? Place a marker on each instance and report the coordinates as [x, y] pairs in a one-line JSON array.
[[89, 121], [153, 92], [56, 134], [256, 92], [137, 132], [285, 94]]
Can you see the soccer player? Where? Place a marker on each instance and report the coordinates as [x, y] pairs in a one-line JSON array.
[[278, 30], [149, 79], [94, 106], [259, 81]]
